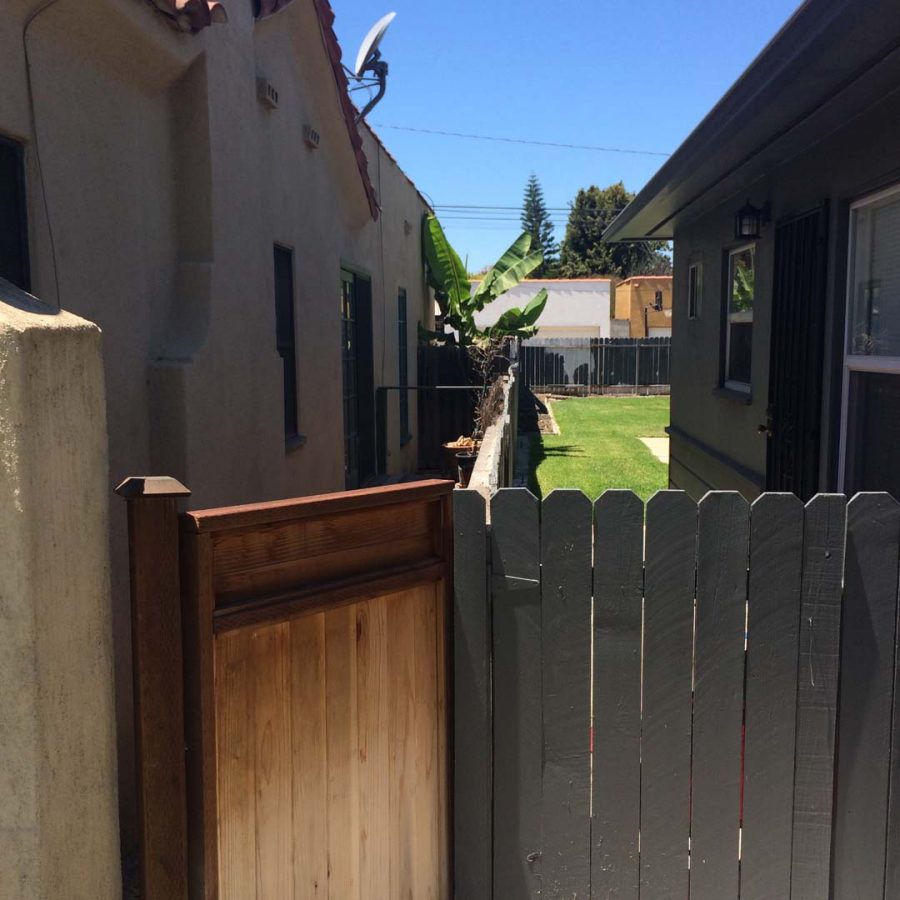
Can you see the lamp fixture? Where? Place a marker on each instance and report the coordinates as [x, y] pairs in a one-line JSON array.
[[749, 220]]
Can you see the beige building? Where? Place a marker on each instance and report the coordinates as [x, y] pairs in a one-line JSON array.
[[252, 256], [645, 303]]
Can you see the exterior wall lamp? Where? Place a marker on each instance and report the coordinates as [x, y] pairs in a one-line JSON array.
[[749, 220]]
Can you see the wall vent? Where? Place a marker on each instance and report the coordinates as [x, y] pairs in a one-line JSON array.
[[311, 136], [266, 93]]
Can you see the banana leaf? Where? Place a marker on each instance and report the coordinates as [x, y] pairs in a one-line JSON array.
[[517, 322], [515, 264], [446, 273]]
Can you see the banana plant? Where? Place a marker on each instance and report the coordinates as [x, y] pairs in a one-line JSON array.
[[453, 291]]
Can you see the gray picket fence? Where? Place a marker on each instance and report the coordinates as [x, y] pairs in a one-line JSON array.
[[734, 668]]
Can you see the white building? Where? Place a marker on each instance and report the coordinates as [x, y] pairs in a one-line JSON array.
[[576, 308]]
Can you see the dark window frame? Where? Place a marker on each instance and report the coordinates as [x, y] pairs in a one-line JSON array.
[[403, 363], [695, 286], [286, 344], [22, 279], [728, 384]]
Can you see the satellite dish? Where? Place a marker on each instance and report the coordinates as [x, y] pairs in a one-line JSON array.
[[368, 51], [369, 60]]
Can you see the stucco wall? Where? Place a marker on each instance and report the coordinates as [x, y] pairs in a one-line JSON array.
[[166, 185], [637, 294], [715, 440], [58, 815]]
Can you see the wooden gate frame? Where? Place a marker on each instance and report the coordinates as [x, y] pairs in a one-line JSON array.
[[176, 619]]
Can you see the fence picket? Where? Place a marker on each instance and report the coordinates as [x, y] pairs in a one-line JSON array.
[[867, 676], [892, 867], [820, 626], [566, 662], [666, 728], [472, 732], [516, 590], [776, 543], [722, 556], [618, 594]]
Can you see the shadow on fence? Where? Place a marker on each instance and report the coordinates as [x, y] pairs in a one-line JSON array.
[[596, 366]]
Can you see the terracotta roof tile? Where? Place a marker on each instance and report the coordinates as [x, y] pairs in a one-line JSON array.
[[326, 21], [192, 15]]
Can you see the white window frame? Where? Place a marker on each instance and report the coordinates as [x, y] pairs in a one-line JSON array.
[[694, 313], [856, 362], [738, 317]]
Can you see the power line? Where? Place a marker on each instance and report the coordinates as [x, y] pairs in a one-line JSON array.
[[508, 140]]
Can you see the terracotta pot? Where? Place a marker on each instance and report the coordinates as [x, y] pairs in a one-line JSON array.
[[465, 462]]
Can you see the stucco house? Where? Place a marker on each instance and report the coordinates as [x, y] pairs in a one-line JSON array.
[[191, 177], [644, 302], [784, 206], [576, 307]]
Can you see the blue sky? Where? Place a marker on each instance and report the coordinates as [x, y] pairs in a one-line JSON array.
[[633, 74]]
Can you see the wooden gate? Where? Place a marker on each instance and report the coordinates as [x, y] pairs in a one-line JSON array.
[[677, 702], [315, 713]]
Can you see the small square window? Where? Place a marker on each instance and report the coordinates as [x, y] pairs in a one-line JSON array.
[[694, 291], [739, 317]]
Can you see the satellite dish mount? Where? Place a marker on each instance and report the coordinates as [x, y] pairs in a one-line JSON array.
[[371, 70]]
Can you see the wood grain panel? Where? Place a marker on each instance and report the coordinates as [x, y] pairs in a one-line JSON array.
[[722, 558], [618, 595], [309, 758], [776, 542], [271, 545], [236, 740], [666, 723], [273, 768], [824, 529], [425, 723], [372, 715], [401, 821], [866, 698], [566, 530], [473, 721], [342, 742], [299, 572], [516, 590]]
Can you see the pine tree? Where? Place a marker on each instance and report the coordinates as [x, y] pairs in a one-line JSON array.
[[583, 252], [536, 221]]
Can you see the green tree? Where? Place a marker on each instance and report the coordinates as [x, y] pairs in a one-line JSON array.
[[584, 254], [536, 221]]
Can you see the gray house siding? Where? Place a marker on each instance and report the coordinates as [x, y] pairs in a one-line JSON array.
[[715, 439]]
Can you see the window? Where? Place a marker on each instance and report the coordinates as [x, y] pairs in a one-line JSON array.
[[871, 383], [285, 338], [403, 365], [658, 301], [694, 291], [739, 317], [13, 227]]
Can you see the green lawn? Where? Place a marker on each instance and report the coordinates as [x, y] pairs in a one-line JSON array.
[[599, 447]]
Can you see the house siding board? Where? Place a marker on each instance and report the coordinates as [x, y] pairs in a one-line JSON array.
[[841, 167]]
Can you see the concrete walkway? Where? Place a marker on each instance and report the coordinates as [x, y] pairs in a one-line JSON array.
[[658, 446]]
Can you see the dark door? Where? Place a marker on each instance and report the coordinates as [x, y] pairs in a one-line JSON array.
[[358, 379], [795, 369], [13, 227]]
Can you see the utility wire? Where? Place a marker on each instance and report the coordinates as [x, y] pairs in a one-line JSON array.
[[508, 140]]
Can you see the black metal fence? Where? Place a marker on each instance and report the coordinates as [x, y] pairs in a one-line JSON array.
[[596, 365]]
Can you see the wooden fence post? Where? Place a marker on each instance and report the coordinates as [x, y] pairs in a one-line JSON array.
[[158, 683]]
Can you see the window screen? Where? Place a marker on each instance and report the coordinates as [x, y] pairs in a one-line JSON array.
[[874, 323], [739, 324], [13, 227], [285, 339]]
